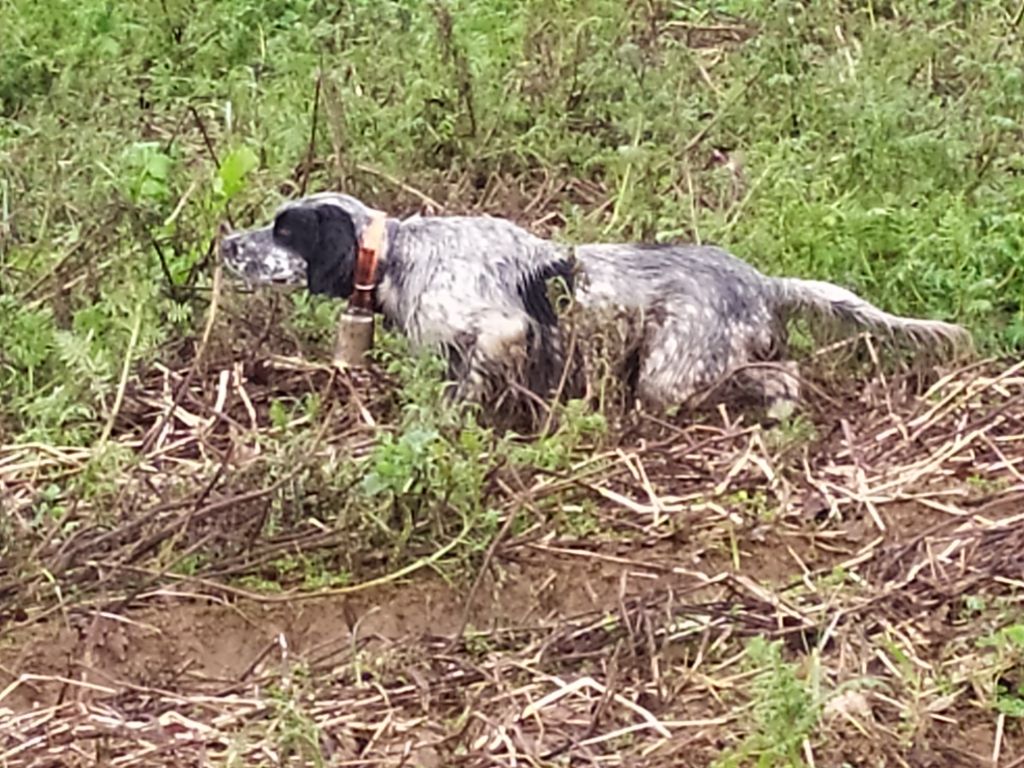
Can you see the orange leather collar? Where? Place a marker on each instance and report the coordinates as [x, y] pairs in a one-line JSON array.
[[366, 263]]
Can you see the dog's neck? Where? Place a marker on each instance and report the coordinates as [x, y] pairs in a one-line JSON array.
[[369, 255]]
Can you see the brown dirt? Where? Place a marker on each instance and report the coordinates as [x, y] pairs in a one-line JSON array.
[[222, 647], [165, 636]]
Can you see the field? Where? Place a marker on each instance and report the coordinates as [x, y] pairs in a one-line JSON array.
[[216, 549]]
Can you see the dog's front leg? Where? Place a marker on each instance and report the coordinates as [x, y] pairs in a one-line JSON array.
[[458, 354], [486, 359]]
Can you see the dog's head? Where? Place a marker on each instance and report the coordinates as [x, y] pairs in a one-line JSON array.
[[312, 241]]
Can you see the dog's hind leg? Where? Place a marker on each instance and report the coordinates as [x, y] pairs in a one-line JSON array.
[[690, 352], [495, 352], [778, 382], [678, 360]]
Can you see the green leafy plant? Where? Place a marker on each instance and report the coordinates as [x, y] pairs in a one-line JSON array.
[[434, 466], [230, 178], [784, 712], [149, 172], [1008, 645]]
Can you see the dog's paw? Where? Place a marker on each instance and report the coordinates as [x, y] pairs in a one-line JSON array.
[[782, 409]]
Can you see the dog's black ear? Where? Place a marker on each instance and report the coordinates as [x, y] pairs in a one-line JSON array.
[[331, 267], [298, 230], [325, 237]]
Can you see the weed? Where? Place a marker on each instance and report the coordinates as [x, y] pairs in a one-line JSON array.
[[432, 469], [985, 486], [313, 319], [260, 584], [290, 729], [784, 711], [791, 433], [478, 644], [314, 570], [49, 505], [756, 504], [1008, 669], [190, 564], [577, 425]]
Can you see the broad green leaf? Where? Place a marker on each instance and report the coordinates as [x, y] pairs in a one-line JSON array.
[[233, 170]]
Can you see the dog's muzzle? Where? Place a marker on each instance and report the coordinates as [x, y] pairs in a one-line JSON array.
[[257, 259]]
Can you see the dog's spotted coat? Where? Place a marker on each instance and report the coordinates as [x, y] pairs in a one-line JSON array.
[[476, 288]]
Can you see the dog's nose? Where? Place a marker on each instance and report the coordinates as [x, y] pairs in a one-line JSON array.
[[228, 248]]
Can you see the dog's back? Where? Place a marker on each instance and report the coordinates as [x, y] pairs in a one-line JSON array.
[[644, 276], [710, 314], [711, 277]]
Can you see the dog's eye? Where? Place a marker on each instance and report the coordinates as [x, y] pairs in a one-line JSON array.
[[284, 232]]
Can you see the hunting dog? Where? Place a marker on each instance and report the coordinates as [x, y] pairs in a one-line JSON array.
[[477, 289]]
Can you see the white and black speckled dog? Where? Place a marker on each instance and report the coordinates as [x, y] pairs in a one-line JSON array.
[[476, 289]]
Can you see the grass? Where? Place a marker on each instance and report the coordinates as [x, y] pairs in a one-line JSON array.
[[874, 144]]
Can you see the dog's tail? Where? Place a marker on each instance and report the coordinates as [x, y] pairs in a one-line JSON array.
[[832, 300]]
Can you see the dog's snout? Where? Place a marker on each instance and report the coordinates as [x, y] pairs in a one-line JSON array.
[[235, 254], [228, 247]]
